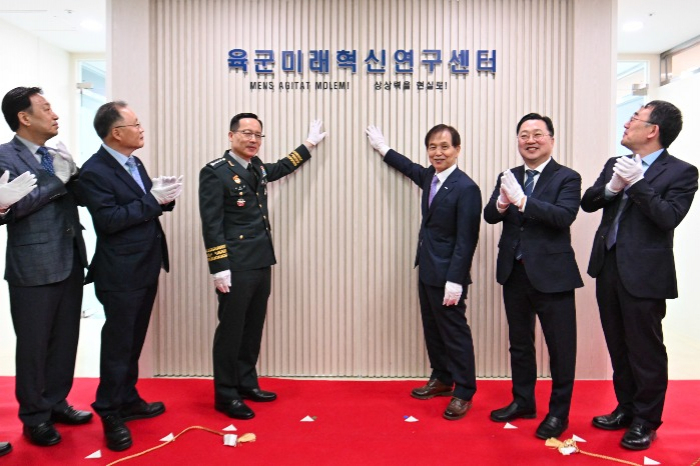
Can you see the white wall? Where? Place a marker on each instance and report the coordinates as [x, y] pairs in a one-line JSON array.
[[29, 61], [682, 322]]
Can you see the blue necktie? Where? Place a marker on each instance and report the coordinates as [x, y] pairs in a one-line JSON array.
[[134, 170], [433, 189], [46, 159], [530, 182], [527, 190]]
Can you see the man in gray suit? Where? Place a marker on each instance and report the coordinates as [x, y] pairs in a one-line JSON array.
[[44, 267]]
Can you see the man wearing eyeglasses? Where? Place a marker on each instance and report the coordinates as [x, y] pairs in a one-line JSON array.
[[131, 250], [238, 243], [449, 233], [537, 202], [45, 265], [644, 197]]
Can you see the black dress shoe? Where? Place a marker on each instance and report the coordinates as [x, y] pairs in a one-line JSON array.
[[255, 394], [141, 410], [638, 437], [5, 448], [116, 432], [235, 409], [551, 427], [456, 409], [71, 416], [613, 421], [44, 435], [512, 411], [431, 389]]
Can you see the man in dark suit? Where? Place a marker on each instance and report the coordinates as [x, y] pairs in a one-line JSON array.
[[449, 233], [238, 242], [537, 203], [644, 198], [131, 249], [44, 267]]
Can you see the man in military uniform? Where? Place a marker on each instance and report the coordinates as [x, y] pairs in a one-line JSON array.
[[237, 237]]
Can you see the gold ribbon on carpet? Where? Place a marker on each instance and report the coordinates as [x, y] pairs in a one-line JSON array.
[[250, 437], [569, 446]]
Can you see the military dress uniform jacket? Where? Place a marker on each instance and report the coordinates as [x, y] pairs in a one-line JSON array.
[[233, 207]]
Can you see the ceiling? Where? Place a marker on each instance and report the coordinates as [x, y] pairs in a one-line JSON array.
[[666, 23]]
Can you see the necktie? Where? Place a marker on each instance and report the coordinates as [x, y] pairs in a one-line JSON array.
[[611, 239], [527, 190], [134, 170], [433, 189], [530, 182], [46, 159], [253, 175]]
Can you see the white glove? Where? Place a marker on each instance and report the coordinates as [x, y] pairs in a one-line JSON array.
[[16, 189], [616, 184], [376, 140], [166, 194], [222, 280], [163, 181], [63, 165], [513, 190], [453, 291], [630, 170], [503, 197], [315, 135]]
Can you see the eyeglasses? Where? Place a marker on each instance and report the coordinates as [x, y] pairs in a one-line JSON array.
[[634, 117], [250, 135], [136, 125], [538, 137], [443, 148]]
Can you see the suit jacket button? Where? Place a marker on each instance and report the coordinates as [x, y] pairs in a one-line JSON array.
[[522, 228], [241, 237]]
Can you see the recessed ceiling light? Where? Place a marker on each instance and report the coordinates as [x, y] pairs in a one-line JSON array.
[[91, 25], [632, 26]]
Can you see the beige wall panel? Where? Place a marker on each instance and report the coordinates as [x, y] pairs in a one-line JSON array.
[[344, 299]]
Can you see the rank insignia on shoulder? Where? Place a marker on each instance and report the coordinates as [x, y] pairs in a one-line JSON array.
[[216, 162]]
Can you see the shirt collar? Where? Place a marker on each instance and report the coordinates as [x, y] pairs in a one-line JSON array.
[[244, 163], [118, 156], [651, 158], [30, 145], [442, 176], [540, 167]]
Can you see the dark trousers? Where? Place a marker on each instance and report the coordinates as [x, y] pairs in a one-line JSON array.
[[448, 340], [634, 335], [237, 337], [557, 314], [127, 314], [46, 320]]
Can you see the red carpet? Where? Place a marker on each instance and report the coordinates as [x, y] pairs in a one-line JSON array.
[[357, 423]]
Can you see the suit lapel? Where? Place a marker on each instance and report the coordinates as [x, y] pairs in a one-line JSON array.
[[545, 178], [121, 173], [445, 189], [657, 168], [239, 170], [26, 156]]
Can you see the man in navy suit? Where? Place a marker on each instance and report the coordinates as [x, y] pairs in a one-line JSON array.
[[537, 203], [131, 249], [644, 197], [44, 267], [449, 233]]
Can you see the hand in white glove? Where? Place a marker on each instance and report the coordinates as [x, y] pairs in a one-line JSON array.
[[166, 194], [222, 280], [453, 291], [503, 200], [63, 164], [16, 189], [513, 190], [630, 170], [376, 140], [616, 184], [315, 135]]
